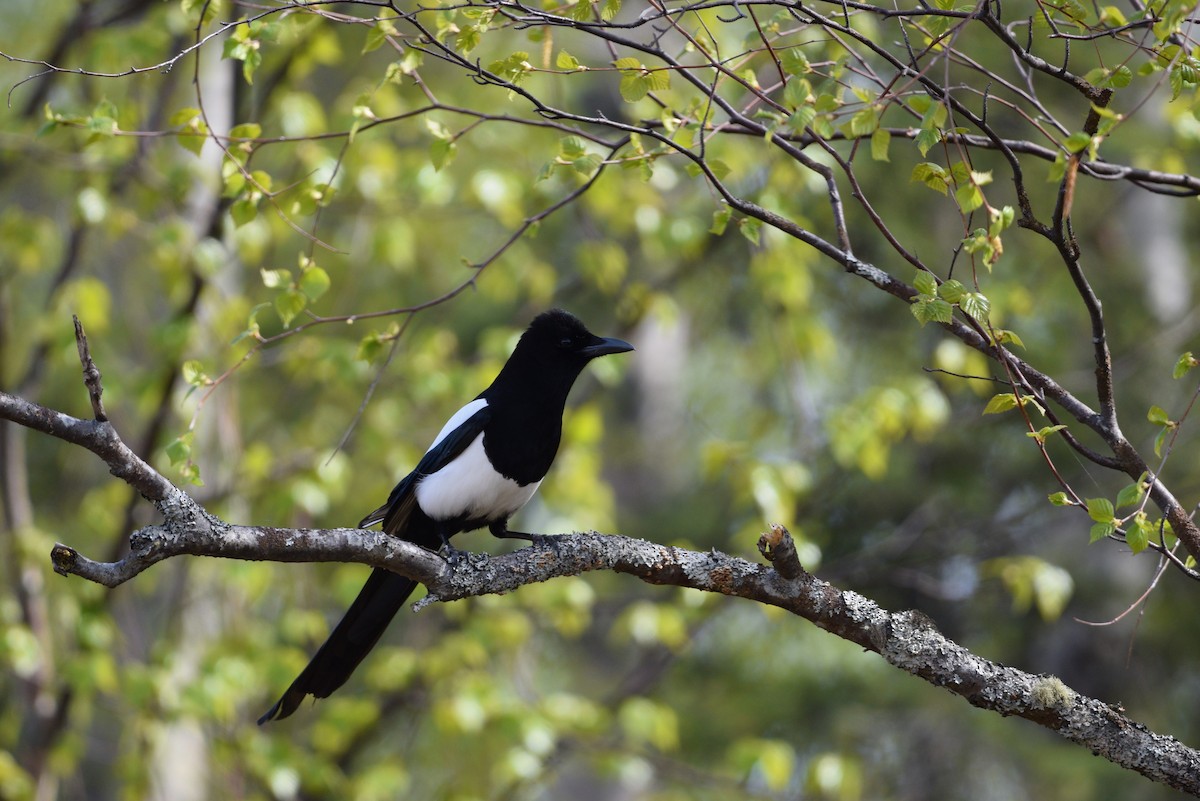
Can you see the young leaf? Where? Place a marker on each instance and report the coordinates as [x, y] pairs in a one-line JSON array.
[[369, 347], [1041, 434], [1137, 533], [1003, 335], [1101, 530], [193, 373], [1158, 416], [441, 152], [976, 305], [1077, 142], [1100, 509], [314, 282], [932, 175], [925, 283], [720, 220], [880, 141], [1185, 364], [273, 279], [1131, 495], [180, 449], [932, 310], [1001, 403], [1060, 499], [288, 304], [952, 291], [244, 210], [749, 227]]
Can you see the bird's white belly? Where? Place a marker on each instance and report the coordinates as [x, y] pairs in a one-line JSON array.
[[470, 487]]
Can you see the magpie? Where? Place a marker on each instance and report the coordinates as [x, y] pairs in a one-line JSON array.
[[485, 464]]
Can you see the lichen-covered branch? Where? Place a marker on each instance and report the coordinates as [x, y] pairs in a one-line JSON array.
[[908, 640]]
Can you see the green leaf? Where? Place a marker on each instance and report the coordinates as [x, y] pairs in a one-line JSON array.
[[513, 69], [580, 12], [193, 137], [1160, 439], [1132, 494], [288, 304], [969, 197], [932, 175], [244, 210], [976, 305], [1185, 365], [378, 34], [1158, 416], [251, 63], [803, 117], [566, 61], [749, 228], [952, 291], [369, 347], [184, 116], [932, 310], [1175, 79], [1060, 499], [720, 220], [1042, 433], [193, 373], [273, 279], [1101, 530], [609, 9], [467, 39], [441, 152], [1137, 533], [1003, 335], [1001, 220], [1001, 403], [719, 168], [1100, 509], [314, 282], [1077, 142], [262, 179], [794, 62], [1111, 15], [866, 121], [180, 449], [247, 130], [207, 11], [1121, 77], [880, 141], [925, 283], [586, 165]]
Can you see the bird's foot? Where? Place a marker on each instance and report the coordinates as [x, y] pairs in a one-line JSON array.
[[454, 556], [547, 540]]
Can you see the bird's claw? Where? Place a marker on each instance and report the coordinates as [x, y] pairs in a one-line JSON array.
[[454, 556]]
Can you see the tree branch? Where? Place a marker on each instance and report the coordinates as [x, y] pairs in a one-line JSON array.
[[908, 640]]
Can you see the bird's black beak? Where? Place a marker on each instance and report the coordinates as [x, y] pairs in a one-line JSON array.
[[606, 345]]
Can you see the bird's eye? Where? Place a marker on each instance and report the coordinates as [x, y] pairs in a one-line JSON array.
[[566, 342]]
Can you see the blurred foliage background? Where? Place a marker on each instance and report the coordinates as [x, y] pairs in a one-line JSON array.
[[768, 386]]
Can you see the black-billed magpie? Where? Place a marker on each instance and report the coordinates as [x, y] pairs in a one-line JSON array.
[[485, 464]]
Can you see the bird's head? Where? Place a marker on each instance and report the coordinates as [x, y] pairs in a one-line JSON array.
[[559, 336]]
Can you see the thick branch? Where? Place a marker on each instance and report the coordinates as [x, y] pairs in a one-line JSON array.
[[907, 640]]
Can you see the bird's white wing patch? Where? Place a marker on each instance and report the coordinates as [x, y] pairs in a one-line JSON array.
[[461, 416], [470, 487]]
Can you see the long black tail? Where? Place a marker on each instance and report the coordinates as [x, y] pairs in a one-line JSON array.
[[351, 640]]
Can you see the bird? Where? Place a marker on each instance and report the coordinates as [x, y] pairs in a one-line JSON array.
[[483, 466]]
